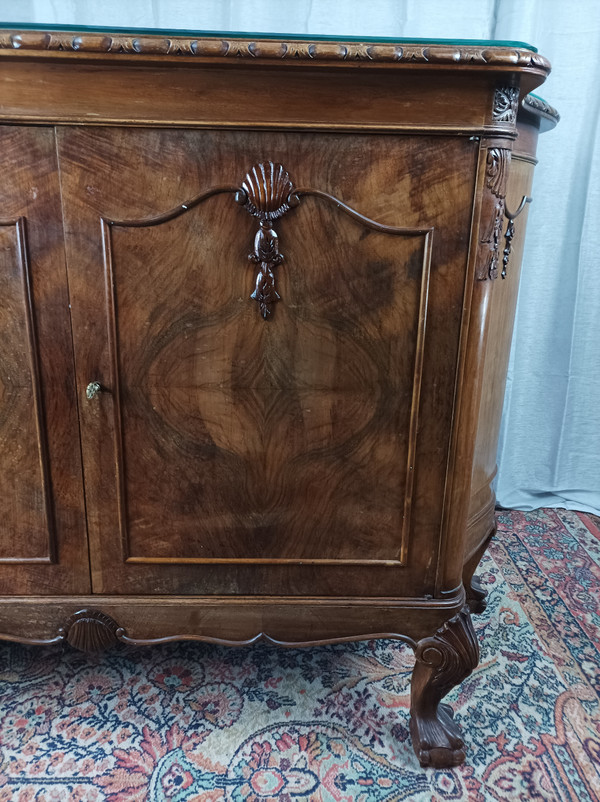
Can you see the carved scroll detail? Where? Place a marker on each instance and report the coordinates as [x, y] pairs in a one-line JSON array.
[[91, 631], [266, 193], [266, 254], [89, 620], [442, 661], [496, 175], [506, 104], [496, 171]]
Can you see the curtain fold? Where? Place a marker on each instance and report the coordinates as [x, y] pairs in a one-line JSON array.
[[549, 451], [550, 438]]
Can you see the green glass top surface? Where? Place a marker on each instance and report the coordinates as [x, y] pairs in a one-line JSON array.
[[262, 35]]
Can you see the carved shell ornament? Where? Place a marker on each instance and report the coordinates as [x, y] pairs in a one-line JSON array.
[[266, 193], [91, 631], [268, 187]]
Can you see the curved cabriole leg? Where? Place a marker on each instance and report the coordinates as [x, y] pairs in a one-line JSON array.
[[476, 595], [442, 662]]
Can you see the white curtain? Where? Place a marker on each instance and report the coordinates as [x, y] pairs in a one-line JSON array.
[[550, 439]]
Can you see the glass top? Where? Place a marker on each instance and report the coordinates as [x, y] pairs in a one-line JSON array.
[[28, 26]]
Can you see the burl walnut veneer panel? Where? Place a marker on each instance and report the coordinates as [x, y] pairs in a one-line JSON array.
[[313, 437], [43, 544]]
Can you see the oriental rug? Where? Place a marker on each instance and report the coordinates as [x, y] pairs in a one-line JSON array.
[[197, 723]]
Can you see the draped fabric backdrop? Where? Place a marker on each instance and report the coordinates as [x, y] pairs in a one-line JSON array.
[[550, 438]]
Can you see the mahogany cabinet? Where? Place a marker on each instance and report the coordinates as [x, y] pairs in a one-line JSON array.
[[255, 339]]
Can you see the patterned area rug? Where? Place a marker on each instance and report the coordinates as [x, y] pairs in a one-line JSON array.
[[197, 723]]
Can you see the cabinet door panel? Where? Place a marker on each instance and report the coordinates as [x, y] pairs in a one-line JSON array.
[[43, 546], [227, 453], [242, 422]]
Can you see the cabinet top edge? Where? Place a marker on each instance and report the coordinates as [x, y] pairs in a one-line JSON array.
[[185, 47], [251, 35], [547, 115]]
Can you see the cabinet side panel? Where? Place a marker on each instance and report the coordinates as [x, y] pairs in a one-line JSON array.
[[502, 315]]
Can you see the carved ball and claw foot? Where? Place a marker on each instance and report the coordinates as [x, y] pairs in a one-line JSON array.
[[442, 662]]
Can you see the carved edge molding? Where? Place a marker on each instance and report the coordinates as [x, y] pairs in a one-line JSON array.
[[296, 50], [91, 630], [536, 104], [261, 637], [492, 213], [442, 662]]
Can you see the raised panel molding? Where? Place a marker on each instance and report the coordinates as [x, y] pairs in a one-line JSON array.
[[267, 193], [8, 408]]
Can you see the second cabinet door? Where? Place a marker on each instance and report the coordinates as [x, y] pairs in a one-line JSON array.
[[43, 542], [227, 453]]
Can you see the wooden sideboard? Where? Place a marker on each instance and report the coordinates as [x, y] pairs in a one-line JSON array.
[[255, 339]]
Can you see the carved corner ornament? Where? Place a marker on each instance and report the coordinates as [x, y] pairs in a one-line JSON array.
[[492, 213], [267, 193], [442, 661], [506, 104]]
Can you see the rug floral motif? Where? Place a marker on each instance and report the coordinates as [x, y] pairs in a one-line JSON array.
[[197, 723]]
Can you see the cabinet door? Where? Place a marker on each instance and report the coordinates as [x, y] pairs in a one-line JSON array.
[[301, 454], [43, 543]]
